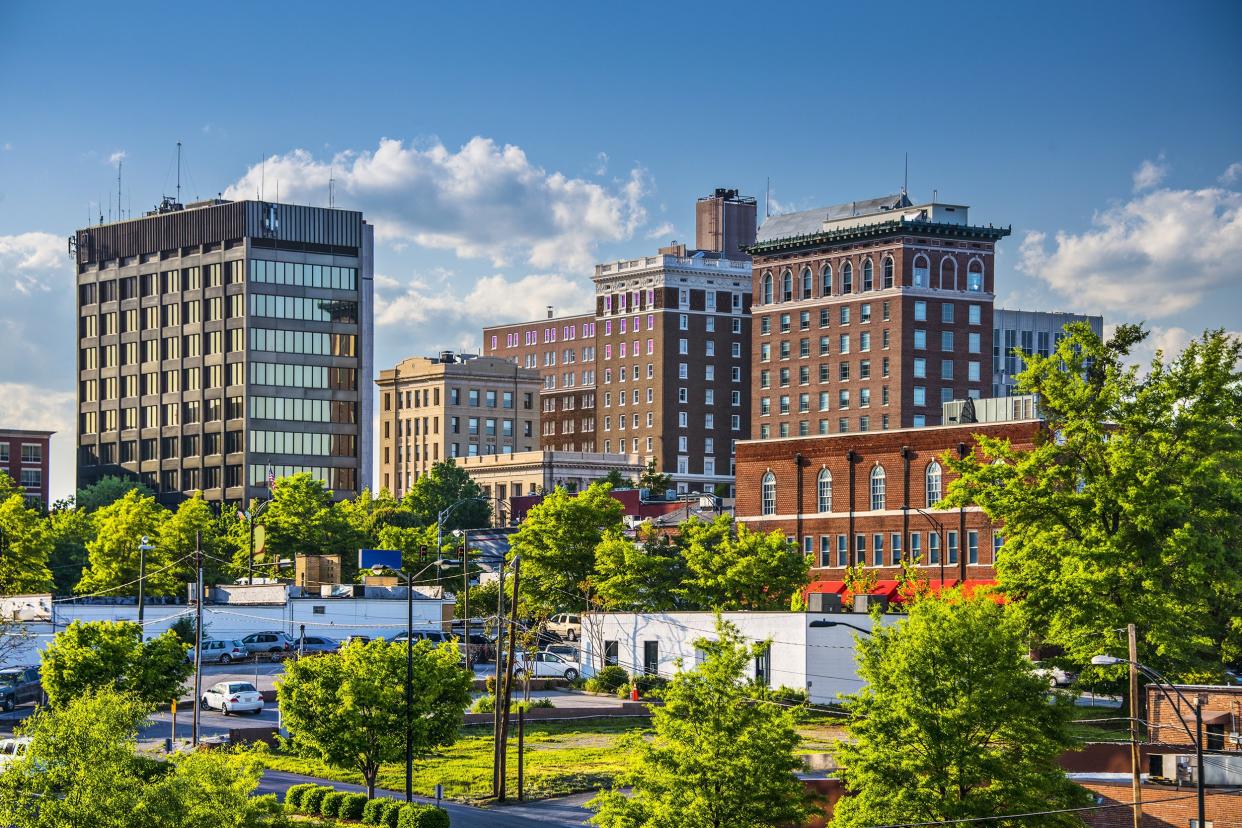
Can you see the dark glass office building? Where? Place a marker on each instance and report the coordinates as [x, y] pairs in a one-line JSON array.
[[223, 342]]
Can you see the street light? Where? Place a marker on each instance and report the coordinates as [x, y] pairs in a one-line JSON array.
[[940, 549], [143, 547], [1104, 660], [409, 669], [465, 562], [823, 622]]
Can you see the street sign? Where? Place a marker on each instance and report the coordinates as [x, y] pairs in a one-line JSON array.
[[384, 558], [439, 792]]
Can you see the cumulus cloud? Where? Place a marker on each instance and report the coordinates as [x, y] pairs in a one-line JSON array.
[[1156, 255], [1150, 173], [116, 157], [28, 259], [491, 300], [664, 231], [1232, 173], [483, 200], [601, 163]]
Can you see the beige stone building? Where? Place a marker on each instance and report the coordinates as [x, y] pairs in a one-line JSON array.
[[531, 472], [453, 405]]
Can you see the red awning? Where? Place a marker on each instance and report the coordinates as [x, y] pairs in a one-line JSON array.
[[888, 589], [827, 587]]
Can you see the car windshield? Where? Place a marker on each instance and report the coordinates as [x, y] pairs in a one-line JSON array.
[[241, 687], [10, 678]]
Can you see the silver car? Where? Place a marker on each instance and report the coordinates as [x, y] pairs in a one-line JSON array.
[[221, 652]]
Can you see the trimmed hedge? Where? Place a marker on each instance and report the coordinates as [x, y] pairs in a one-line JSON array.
[[416, 815], [351, 806], [328, 807], [392, 810], [312, 800], [372, 810], [296, 793], [608, 679]]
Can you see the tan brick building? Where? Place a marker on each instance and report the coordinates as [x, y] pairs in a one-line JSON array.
[[868, 498], [868, 315], [533, 472], [452, 405]]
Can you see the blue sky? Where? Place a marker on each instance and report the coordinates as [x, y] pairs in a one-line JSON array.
[[503, 148]]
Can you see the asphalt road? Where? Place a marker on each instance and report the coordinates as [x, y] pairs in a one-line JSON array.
[[567, 811]]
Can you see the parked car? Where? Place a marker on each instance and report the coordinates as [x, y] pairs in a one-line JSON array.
[[270, 641], [361, 639], [1233, 676], [233, 697], [546, 665], [567, 625], [312, 644], [1056, 676], [13, 749], [19, 685], [220, 651], [434, 636], [569, 652]]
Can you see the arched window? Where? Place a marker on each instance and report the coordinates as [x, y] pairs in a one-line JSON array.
[[948, 273], [767, 288], [921, 271], [825, 279], [786, 286], [933, 479], [824, 488], [767, 495], [807, 282], [974, 276], [868, 275], [888, 272], [847, 278], [877, 488]]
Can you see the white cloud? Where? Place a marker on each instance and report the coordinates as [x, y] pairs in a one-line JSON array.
[[664, 231], [482, 201], [491, 300], [8, 146], [28, 260], [1156, 255], [1150, 173], [601, 163], [1232, 173], [116, 157], [43, 409]]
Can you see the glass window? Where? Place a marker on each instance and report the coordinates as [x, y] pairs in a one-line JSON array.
[[768, 494], [877, 488], [933, 478]]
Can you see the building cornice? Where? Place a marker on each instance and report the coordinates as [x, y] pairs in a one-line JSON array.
[[877, 231]]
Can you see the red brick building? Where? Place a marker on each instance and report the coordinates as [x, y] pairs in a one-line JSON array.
[[868, 315], [868, 498], [24, 457]]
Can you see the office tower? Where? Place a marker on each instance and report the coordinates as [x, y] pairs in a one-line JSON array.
[[1035, 332], [452, 405], [223, 343]]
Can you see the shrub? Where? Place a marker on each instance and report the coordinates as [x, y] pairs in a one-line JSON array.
[[789, 695], [388, 816], [351, 806], [296, 793], [490, 685], [608, 679], [313, 799], [331, 802], [422, 816], [647, 685], [484, 704], [541, 702], [372, 810]]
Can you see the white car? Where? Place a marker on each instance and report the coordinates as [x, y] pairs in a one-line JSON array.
[[566, 625], [546, 665], [12, 750], [1054, 675], [234, 697]]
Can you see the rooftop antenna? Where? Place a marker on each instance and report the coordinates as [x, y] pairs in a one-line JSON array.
[[331, 185], [119, 163], [905, 181], [178, 172], [767, 199], [263, 178]]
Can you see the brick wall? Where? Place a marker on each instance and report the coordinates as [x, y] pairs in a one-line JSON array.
[[1164, 806]]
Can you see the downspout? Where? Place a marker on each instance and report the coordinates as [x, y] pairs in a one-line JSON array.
[[852, 457], [906, 454], [962, 451]]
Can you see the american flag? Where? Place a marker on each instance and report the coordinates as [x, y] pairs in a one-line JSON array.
[[271, 477]]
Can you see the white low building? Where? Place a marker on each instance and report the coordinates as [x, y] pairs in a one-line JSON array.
[[812, 652]]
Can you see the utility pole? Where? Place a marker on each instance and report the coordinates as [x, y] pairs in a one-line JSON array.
[[504, 715], [500, 638], [1135, 769], [521, 750], [465, 593], [198, 634]]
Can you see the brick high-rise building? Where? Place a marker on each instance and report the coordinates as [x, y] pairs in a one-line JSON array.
[[223, 341], [452, 405], [24, 457], [661, 367], [868, 315]]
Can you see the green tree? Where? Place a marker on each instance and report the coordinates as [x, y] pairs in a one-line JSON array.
[[369, 514], [177, 538], [301, 520], [82, 768], [616, 480], [113, 553], [24, 548], [952, 723], [557, 543], [89, 655], [69, 530], [1126, 510], [655, 480], [108, 490], [638, 575], [446, 484], [348, 708], [722, 755], [731, 567]]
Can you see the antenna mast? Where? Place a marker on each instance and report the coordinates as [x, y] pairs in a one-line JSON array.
[[767, 199], [331, 185], [905, 180], [178, 172], [120, 162]]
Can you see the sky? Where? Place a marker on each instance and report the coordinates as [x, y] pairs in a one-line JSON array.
[[501, 149]]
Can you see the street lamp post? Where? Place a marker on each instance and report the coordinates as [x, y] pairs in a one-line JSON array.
[[465, 561], [1196, 737], [823, 622], [143, 548], [251, 517], [940, 551]]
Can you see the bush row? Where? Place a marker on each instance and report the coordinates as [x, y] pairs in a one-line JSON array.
[[323, 800], [487, 704]]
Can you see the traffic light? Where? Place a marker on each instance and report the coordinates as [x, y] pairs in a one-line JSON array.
[[461, 551], [422, 554]]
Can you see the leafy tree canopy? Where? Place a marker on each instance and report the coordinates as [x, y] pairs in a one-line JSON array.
[[348, 707], [94, 655], [638, 575], [108, 490], [25, 547], [723, 752], [113, 553], [731, 567], [655, 480], [1127, 510], [952, 723], [69, 531], [616, 479], [447, 484], [301, 519]]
